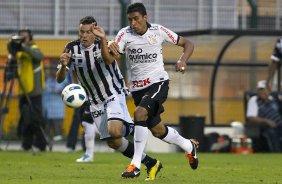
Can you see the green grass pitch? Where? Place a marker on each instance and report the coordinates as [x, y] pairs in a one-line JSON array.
[[60, 168]]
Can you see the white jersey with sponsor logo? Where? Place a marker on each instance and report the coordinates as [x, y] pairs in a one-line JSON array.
[[144, 54]]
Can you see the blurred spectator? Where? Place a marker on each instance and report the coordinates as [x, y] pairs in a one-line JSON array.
[[263, 110], [53, 106], [25, 59]]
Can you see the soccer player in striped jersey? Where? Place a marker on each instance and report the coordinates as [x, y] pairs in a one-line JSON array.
[[94, 68], [142, 44]]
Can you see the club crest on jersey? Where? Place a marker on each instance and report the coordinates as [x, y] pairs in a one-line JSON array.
[[97, 55], [152, 39]]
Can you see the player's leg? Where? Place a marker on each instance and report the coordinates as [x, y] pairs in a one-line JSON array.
[[140, 135], [90, 129], [172, 136], [145, 107], [152, 101], [89, 136], [125, 147], [153, 165], [115, 125], [128, 127]]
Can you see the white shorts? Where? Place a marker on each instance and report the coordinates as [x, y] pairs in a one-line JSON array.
[[114, 108]]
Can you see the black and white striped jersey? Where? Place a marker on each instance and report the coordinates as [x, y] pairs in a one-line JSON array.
[[99, 80]]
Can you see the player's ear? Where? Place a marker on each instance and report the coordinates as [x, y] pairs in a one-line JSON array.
[[145, 17]]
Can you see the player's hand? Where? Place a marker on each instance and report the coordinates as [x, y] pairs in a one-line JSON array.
[[180, 66], [98, 31], [113, 48], [65, 58]]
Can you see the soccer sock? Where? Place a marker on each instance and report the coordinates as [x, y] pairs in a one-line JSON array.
[[127, 149], [173, 137], [140, 140], [89, 136], [149, 162]]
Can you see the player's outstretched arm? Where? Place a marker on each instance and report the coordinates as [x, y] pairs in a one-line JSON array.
[[188, 48], [62, 71], [99, 32]]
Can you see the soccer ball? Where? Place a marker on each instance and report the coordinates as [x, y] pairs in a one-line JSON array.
[[73, 95]]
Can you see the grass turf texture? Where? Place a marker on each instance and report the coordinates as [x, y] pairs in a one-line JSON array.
[[60, 168]]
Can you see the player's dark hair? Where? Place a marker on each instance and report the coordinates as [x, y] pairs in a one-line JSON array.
[[87, 20], [26, 30], [137, 7]]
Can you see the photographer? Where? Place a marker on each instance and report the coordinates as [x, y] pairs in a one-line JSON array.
[[25, 59]]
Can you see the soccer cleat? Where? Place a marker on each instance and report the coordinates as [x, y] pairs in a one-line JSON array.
[[85, 158], [192, 157], [131, 172], [153, 171]]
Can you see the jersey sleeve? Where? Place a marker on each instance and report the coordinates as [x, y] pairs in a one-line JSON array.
[[120, 40], [277, 51], [252, 107], [168, 35]]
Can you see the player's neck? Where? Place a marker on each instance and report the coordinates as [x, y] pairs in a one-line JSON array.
[[144, 30]]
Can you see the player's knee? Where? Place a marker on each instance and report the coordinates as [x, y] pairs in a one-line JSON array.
[[115, 133], [140, 114], [158, 131], [115, 130], [113, 143]]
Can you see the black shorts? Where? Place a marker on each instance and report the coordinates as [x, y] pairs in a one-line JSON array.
[[152, 98]]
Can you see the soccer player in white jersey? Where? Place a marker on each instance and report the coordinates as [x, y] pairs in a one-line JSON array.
[[92, 65], [149, 82]]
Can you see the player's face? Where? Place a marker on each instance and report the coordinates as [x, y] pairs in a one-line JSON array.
[[86, 35], [137, 22]]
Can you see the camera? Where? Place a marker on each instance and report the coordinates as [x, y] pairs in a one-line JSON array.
[[15, 44]]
